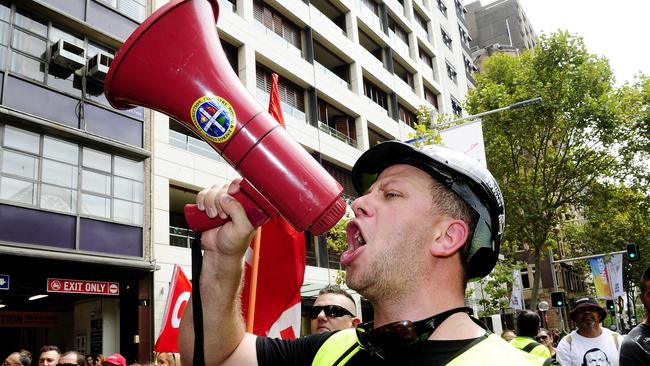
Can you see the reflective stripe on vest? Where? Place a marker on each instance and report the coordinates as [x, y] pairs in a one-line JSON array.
[[338, 348]]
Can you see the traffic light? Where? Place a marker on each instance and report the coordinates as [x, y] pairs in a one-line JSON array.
[[610, 305], [557, 299], [632, 252]]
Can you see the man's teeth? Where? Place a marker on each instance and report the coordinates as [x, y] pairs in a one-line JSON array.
[[359, 238]]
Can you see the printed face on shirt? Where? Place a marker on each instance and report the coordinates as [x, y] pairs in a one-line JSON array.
[[596, 358]]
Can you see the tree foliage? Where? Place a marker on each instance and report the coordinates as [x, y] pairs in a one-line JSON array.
[[496, 289], [337, 240], [546, 156], [634, 99]]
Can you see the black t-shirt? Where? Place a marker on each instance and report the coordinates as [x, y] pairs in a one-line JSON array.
[[635, 349], [301, 352]]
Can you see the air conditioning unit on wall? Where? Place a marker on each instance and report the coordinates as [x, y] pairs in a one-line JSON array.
[[67, 55], [98, 65]]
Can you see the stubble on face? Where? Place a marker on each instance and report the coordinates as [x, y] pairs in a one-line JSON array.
[[396, 256]]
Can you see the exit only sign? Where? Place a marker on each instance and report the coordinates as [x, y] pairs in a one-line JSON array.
[[82, 287]]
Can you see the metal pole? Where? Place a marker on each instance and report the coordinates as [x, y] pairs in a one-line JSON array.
[[554, 277], [587, 257], [523, 103]]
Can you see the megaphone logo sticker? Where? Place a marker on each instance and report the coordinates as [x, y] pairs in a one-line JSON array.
[[214, 117]]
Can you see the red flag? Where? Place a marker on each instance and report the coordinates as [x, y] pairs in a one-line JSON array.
[[179, 294], [280, 276], [281, 267], [275, 109]]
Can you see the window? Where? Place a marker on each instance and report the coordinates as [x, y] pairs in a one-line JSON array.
[[375, 94], [460, 9], [407, 116], [456, 107], [403, 73], [134, 9], [426, 58], [277, 23], [527, 275], [445, 38], [27, 44], [451, 72], [421, 22], [469, 65], [431, 97], [464, 37], [442, 7], [290, 93], [48, 173]]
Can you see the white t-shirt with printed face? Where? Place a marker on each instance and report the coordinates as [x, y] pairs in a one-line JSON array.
[[598, 351]]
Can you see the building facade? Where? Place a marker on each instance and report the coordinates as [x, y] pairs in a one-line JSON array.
[[352, 74], [501, 23], [75, 253], [91, 197]]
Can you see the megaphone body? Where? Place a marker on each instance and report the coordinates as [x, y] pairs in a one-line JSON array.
[[174, 63]]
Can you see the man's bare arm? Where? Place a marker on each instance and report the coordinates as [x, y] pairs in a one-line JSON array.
[[225, 340]]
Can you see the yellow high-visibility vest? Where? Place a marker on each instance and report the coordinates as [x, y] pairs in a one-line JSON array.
[[343, 345]]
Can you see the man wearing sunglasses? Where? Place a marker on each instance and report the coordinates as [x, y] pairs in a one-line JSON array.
[[333, 309], [427, 221], [590, 336]]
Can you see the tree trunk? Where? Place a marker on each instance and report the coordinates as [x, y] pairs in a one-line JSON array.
[[536, 278]]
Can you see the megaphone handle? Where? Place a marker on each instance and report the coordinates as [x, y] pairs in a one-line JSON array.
[[257, 208]]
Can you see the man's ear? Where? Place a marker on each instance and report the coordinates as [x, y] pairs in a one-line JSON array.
[[355, 322], [451, 238]]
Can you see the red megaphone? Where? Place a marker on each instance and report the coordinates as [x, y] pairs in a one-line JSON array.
[[174, 63]]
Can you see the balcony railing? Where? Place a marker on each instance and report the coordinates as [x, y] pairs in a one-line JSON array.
[[398, 44], [330, 23], [324, 70], [272, 35], [399, 8], [368, 15], [287, 110], [333, 132], [427, 71], [180, 237], [193, 145]]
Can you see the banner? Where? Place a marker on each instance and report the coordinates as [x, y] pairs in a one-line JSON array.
[[466, 138], [615, 269], [601, 277], [179, 294], [517, 298]]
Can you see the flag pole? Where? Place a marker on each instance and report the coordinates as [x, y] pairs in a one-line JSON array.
[[255, 266]]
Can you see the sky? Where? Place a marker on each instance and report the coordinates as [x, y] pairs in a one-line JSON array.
[[618, 30]]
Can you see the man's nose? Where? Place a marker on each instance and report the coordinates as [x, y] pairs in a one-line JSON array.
[[361, 206]]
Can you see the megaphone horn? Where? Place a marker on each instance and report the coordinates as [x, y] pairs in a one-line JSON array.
[[173, 63]]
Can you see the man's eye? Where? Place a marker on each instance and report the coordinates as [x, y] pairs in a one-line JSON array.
[[392, 195]]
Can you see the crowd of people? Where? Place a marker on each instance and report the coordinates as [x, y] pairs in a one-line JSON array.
[[50, 355], [590, 344], [426, 222]]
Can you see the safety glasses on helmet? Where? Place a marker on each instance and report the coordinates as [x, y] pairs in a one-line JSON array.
[[391, 337]]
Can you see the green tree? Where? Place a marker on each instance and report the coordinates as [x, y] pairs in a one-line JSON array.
[[337, 240], [496, 289], [635, 105], [614, 215], [545, 156]]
